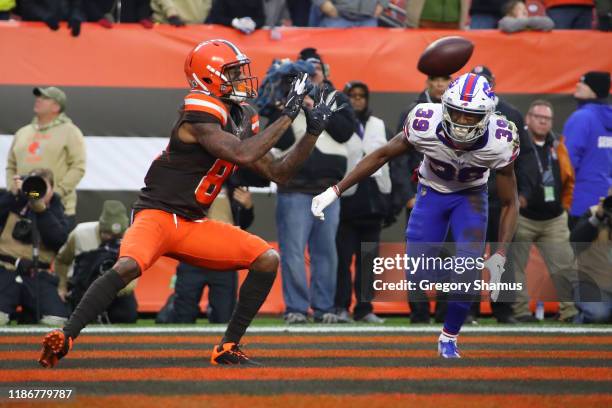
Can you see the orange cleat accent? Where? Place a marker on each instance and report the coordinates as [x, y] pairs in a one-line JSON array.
[[230, 354], [55, 346]]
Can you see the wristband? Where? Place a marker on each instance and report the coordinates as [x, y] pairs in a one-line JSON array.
[[335, 188]]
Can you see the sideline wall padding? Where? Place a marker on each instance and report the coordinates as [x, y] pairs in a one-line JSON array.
[[130, 56]]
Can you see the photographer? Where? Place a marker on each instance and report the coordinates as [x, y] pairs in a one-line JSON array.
[[24, 220], [93, 247], [591, 237]]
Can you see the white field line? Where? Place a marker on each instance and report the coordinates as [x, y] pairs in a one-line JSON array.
[[320, 329]]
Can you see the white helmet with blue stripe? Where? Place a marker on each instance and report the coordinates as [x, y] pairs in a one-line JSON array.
[[466, 105]]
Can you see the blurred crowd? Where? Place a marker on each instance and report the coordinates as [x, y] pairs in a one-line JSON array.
[[247, 16]]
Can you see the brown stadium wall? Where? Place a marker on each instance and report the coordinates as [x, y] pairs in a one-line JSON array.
[[129, 81]]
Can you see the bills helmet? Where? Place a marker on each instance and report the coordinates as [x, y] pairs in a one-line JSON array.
[[466, 106]]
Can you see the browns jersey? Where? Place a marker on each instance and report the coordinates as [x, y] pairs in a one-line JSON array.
[[185, 179]]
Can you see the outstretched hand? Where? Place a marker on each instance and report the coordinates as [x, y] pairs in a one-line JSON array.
[[319, 116], [496, 266], [298, 90], [322, 201]]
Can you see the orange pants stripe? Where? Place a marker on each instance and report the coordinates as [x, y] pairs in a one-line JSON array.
[[205, 243]]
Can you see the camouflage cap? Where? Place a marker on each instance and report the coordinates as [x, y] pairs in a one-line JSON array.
[[52, 93]]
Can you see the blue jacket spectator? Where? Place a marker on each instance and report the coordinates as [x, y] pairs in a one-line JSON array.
[[588, 133]]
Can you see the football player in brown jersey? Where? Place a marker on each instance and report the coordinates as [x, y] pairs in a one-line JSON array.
[[215, 132]]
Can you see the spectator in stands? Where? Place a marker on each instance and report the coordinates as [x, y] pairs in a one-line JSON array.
[[591, 237], [296, 225], [243, 15], [180, 12], [589, 140], [347, 13], [51, 12], [485, 14], [233, 205], [526, 171], [543, 220], [20, 283], [604, 14], [445, 14], [516, 18], [571, 14], [299, 11], [90, 247], [6, 6], [363, 208], [108, 12], [413, 9], [277, 13], [51, 141]]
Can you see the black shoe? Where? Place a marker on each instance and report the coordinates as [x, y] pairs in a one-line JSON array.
[[527, 319], [230, 354]]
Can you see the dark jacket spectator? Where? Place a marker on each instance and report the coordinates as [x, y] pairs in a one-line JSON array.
[[20, 283], [51, 12], [362, 210], [108, 12], [570, 14], [51, 222], [591, 237], [543, 219], [232, 13], [324, 167], [484, 14]]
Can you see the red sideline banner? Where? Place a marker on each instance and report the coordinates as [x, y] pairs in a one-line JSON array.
[[131, 56]]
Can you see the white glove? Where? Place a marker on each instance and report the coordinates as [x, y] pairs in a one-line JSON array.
[[322, 201], [244, 24], [495, 265]]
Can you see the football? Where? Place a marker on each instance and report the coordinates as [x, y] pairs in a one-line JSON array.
[[445, 56]]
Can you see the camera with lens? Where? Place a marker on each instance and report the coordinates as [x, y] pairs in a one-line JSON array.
[[33, 187]]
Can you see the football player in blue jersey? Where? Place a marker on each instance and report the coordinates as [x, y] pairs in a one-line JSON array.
[[461, 140]]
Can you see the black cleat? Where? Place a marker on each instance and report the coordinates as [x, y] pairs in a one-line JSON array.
[[230, 354]]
